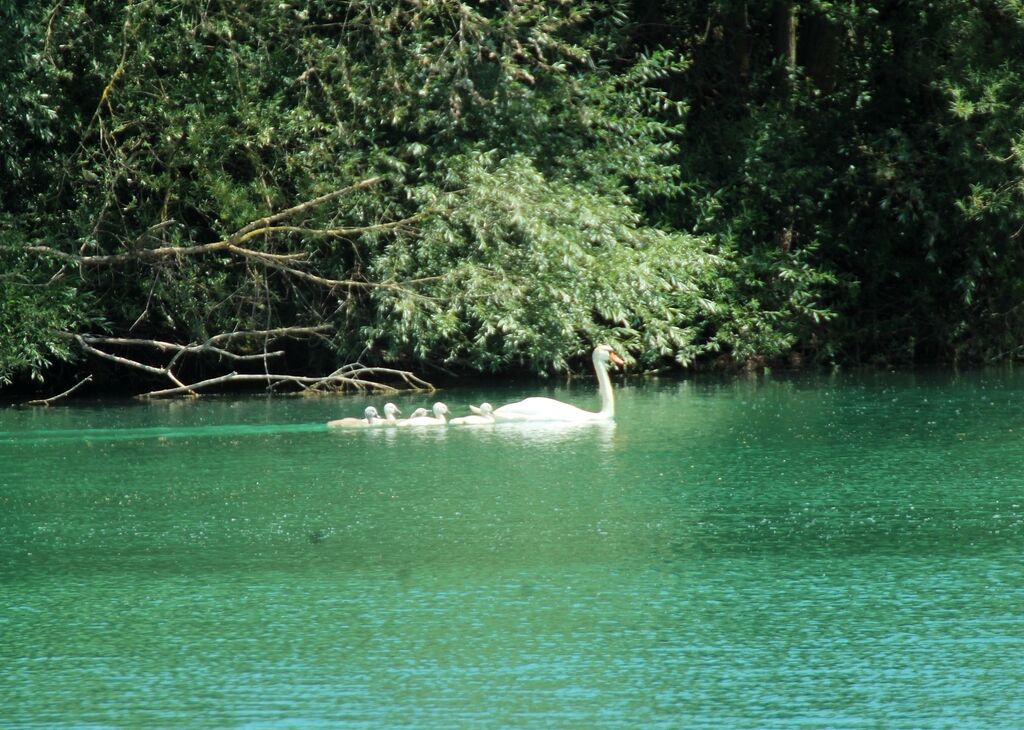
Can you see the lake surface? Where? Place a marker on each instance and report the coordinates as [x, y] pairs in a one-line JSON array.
[[771, 552]]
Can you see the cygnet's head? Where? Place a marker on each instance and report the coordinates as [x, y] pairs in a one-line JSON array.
[[440, 409], [391, 410], [371, 413], [420, 413], [484, 409]]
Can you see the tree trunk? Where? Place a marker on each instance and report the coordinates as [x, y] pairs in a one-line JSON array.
[[784, 33], [740, 30], [820, 50]]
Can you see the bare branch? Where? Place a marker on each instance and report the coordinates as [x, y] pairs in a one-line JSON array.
[[332, 283], [288, 212], [179, 349], [69, 391], [191, 389], [357, 371], [115, 358], [250, 230], [149, 300], [132, 342], [124, 258], [245, 358], [328, 232], [148, 233], [353, 376], [278, 332], [271, 378], [302, 256]]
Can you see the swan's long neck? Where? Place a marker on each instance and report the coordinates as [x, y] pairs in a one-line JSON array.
[[604, 388]]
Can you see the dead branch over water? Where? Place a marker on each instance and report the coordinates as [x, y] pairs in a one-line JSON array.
[[354, 376], [54, 398], [236, 349]]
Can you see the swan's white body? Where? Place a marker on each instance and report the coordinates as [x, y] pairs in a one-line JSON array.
[[438, 419], [551, 410], [482, 416], [371, 418]]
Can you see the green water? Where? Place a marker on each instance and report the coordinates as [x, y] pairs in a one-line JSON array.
[[832, 552]]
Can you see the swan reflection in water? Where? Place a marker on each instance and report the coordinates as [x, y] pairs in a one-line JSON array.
[[545, 434], [553, 433]]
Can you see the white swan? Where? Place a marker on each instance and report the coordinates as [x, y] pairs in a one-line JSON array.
[[482, 416], [551, 410], [438, 419], [371, 418], [390, 411]]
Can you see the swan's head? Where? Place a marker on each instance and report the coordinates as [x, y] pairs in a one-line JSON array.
[[391, 410], [604, 354], [371, 413], [440, 409]]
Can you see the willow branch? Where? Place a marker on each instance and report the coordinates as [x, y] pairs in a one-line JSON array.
[[118, 72], [50, 19]]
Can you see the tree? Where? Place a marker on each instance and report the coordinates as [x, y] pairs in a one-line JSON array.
[[882, 152]]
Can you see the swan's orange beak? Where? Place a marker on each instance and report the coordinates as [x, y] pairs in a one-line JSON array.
[[616, 359]]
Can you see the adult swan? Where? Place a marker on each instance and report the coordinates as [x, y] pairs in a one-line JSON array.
[[551, 410]]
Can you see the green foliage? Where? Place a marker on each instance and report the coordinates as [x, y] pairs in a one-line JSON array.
[[36, 306], [28, 114], [889, 156], [525, 271]]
